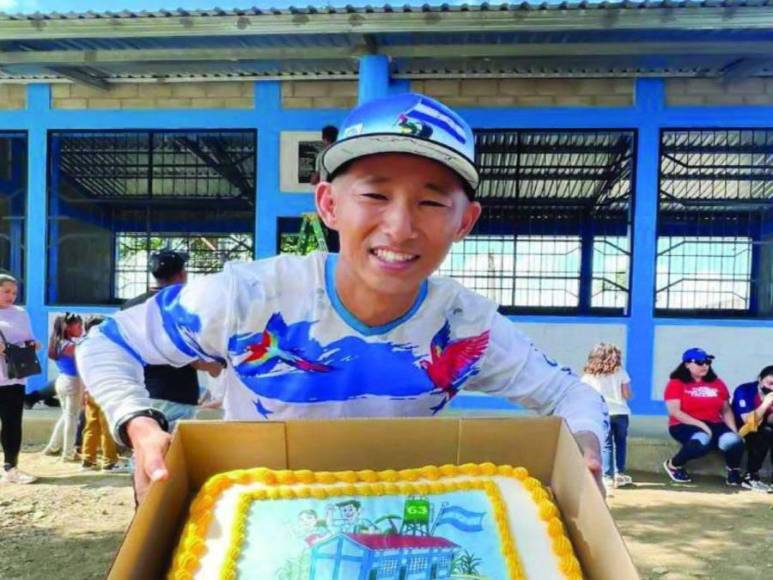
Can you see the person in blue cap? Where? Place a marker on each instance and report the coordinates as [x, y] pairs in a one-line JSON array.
[[366, 332], [700, 417]]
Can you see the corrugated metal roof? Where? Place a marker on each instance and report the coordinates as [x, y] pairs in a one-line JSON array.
[[114, 46], [352, 8]]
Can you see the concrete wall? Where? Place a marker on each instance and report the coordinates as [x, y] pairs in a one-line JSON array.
[[741, 351], [528, 92], [570, 344], [201, 95], [755, 91], [13, 97], [319, 94]]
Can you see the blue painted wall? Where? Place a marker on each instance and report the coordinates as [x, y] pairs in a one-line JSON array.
[[648, 116]]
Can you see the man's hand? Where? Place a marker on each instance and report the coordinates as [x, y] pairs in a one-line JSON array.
[[213, 368], [150, 443], [591, 452]]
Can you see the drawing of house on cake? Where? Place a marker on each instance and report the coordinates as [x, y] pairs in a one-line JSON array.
[[382, 557]]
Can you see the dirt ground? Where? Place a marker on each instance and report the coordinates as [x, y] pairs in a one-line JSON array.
[[70, 523]]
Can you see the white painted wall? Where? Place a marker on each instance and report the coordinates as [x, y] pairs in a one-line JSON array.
[[570, 344], [741, 352]]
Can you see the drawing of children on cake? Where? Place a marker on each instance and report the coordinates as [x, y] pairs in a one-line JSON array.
[[311, 528], [348, 518]]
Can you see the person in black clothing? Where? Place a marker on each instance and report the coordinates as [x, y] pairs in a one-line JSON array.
[[173, 391]]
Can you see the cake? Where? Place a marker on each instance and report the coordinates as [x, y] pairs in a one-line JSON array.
[[468, 521]]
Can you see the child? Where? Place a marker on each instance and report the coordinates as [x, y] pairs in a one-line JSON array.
[[604, 372], [69, 389], [362, 333], [96, 432]]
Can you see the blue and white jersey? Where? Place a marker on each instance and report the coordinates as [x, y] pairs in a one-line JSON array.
[[294, 351]]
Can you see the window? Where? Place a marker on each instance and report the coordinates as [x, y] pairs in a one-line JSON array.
[[114, 197], [206, 254], [13, 205], [554, 232], [715, 223], [418, 564]]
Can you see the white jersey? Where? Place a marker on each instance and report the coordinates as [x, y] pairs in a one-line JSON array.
[[294, 351]]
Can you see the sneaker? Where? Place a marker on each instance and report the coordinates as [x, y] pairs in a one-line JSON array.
[[90, 465], [116, 468], [609, 486], [733, 478], [13, 475], [677, 474], [622, 480], [752, 482], [71, 458]]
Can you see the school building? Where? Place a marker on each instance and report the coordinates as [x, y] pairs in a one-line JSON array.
[[626, 153]]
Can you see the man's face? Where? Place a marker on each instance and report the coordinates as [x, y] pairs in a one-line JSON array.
[[397, 216]]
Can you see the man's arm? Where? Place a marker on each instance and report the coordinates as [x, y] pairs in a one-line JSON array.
[[175, 327]]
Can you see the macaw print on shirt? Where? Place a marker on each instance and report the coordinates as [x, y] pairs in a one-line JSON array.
[[283, 362]]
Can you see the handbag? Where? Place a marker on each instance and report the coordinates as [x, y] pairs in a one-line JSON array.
[[21, 361]]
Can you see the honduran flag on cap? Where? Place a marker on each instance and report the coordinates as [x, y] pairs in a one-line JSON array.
[[406, 123]]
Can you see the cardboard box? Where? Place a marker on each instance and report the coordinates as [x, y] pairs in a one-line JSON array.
[[543, 445]]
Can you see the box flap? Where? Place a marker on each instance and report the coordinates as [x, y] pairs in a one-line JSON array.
[[371, 443], [216, 446], [526, 442], [597, 541], [149, 542]]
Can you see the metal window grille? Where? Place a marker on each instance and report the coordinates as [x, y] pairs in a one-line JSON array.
[[715, 223], [13, 206], [553, 235], [114, 196], [206, 255]]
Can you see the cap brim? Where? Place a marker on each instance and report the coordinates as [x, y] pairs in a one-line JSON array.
[[346, 150]]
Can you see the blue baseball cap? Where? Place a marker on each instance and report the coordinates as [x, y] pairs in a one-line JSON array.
[[406, 123], [696, 354]]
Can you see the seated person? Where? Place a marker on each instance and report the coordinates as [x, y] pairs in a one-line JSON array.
[[753, 408], [700, 417]]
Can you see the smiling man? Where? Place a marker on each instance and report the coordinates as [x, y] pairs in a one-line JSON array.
[[363, 333]]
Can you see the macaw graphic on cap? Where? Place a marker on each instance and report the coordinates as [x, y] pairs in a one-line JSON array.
[[452, 362]]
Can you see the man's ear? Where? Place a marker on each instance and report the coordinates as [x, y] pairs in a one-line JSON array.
[[325, 202], [469, 219]]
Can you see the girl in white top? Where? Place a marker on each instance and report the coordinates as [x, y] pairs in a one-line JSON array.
[[604, 372], [15, 326]]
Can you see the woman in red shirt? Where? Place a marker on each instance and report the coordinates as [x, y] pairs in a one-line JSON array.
[[700, 417]]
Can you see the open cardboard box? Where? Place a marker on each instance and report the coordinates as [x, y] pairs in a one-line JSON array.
[[543, 445]]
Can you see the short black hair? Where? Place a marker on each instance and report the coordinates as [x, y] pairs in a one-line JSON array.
[[682, 373], [166, 264], [330, 133]]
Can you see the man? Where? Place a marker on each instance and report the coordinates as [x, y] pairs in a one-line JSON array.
[[329, 136], [173, 391], [363, 333]]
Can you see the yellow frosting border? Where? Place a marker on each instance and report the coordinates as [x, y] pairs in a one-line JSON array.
[[388, 482]]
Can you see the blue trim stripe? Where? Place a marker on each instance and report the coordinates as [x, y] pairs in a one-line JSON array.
[[109, 328], [351, 319]]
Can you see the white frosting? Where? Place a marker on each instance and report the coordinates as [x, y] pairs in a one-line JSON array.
[[528, 530]]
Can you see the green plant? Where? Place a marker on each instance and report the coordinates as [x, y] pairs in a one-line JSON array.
[[466, 563]]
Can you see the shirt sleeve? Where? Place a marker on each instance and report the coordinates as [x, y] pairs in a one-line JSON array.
[[624, 376], [724, 394], [673, 391], [516, 369], [178, 325], [27, 330], [741, 403]]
